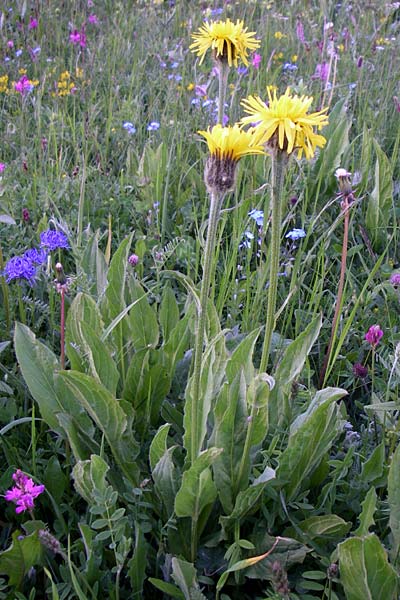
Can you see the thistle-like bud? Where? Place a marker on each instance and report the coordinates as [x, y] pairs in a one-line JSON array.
[[344, 181], [220, 174], [60, 275]]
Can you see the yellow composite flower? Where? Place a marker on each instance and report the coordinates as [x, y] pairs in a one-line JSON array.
[[231, 142], [228, 40], [286, 119]]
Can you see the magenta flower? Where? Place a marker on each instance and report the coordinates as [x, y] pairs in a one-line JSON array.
[[33, 23], [24, 492], [321, 72], [256, 60], [23, 85], [133, 260], [93, 19], [2, 167], [78, 37], [374, 335], [395, 279]]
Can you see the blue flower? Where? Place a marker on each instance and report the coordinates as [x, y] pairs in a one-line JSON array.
[[130, 128], [35, 256], [296, 234], [53, 239], [247, 238], [289, 67], [153, 126], [19, 267], [258, 216]]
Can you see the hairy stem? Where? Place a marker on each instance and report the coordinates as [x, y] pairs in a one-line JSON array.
[[278, 169]]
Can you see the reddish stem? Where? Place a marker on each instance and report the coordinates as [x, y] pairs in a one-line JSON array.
[[62, 355], [345, 209]]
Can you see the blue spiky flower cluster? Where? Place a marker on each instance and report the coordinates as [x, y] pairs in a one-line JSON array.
[[25, 266]]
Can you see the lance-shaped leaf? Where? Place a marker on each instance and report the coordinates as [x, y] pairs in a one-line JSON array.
[[289, 368], [109, 415], [185, 576], [311, 436], [380, 200], [82, 310], [197, 490], [365, 572], [142, 318]]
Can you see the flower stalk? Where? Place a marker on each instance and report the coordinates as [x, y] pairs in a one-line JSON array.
[[223, 71], [215, 208], [279, 161]]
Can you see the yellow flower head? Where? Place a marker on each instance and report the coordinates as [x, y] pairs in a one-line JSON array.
[[229, 41], [231, 142], [286, 120], [226, 145]]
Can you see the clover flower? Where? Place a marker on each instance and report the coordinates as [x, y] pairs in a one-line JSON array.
[[226, 145], [229, 41], [19, 267], [24, 492], [374, 335], [395, 279], [52, 240], [284, 122]]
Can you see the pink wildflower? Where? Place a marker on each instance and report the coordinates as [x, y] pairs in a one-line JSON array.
[[10, 44], [33, 23], [24, 492], [395, 279], [23, 85], [78, 37], [321, 72], [256, 60], [93, 19], [374, 335], [133, 260], [2, 167], [300, 31]]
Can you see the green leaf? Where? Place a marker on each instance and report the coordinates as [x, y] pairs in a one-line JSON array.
[[373, 468], [94, 265], [289, 368], [380, 200], [169, 313], [109, 417], [311, 437], [82, 310], [24, 553], [167, 588], [90, 476], [99, 361], [142, 318], [54, 479], [241, 358], [321, 528], [364, 570], [38, 365], [185, 576], [367, 513], [212, 375], [166, 481], [394, 502], [137, 564], [198, 489], [158, 446]]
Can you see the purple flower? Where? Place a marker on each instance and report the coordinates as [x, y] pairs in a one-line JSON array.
[[374, 335], [256, 60], [321, 72], [258, 216], [133, 260], [19, 267], [37, 257], [296, 234], [2, 167], [300, 31], [153, 126], [93, 19], [78, 37], [130, 128], [395, 279], [33, 23], [23, 85], [52, 240], [360, 371], [24, 492]]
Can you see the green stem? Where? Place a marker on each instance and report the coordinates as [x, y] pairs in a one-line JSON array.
[[4, 288], [338, 307], [278, 169], [22, 311], [223, 71], [81, 205], [196, 441]]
